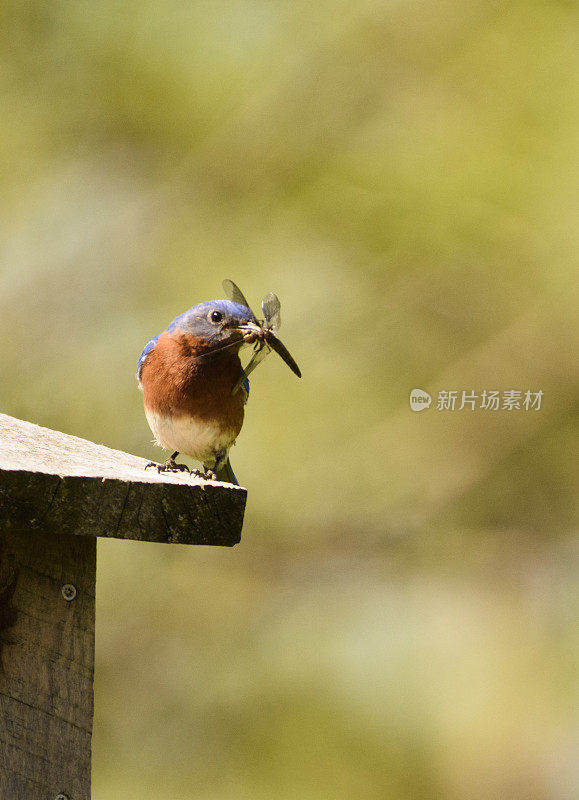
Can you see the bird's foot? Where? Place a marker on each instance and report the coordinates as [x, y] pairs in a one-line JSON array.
[[205, 474], [169, 466]]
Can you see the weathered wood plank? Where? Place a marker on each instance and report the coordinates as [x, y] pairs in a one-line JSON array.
[[47, 662], [57, 494], [66, 485]]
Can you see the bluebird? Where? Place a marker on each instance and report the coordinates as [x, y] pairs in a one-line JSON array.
[[194, 386]]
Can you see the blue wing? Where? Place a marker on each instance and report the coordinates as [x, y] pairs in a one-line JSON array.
[[146, 350]]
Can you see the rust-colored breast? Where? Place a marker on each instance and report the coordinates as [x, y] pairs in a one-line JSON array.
[[176, 384]]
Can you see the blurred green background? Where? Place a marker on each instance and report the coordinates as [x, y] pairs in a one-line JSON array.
[[400, 619]]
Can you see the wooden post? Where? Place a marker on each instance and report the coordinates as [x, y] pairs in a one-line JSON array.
[[57, 494]]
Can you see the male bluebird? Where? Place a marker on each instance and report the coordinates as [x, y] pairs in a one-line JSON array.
[[194, 387]]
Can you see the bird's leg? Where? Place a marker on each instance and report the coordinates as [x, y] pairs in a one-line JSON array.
[[205, 473], [170, 465], [210, 473]]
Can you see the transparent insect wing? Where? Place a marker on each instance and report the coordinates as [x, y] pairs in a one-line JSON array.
[[262, 349], [271, 308], [235, 294]]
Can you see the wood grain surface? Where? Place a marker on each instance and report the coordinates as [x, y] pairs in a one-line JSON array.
[[64, 484], [57, 494], [46, 675]]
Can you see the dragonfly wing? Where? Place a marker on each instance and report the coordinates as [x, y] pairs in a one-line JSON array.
[[234, 293], [254, 361], [271, 306]]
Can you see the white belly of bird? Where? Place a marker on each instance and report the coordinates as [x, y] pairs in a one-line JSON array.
[[190, 436]]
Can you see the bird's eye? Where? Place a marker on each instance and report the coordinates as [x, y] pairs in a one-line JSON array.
[[215, 316]]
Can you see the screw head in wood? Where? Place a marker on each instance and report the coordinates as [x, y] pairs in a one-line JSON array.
[[69, 593], [61, 796]]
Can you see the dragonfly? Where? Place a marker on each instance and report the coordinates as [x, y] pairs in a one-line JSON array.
[[264, 338]]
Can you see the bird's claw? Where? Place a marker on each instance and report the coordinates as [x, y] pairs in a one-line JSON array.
[[168, 466], [206, 475]]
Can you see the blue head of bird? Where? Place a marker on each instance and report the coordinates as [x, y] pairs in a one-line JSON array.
[[218, 324]]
